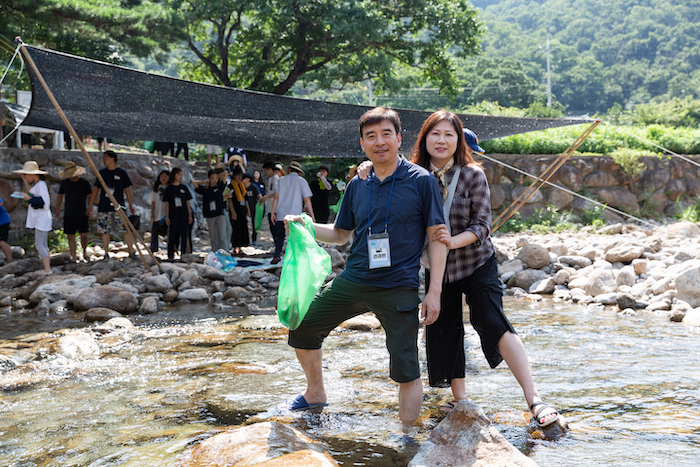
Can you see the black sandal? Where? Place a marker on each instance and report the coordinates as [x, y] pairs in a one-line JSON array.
[[546, 408]]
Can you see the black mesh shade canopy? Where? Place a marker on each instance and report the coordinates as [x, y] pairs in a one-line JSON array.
[[101, 99]]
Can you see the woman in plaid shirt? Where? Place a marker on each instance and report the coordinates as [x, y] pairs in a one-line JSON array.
[[445, 148]]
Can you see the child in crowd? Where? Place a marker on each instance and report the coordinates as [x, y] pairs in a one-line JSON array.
[[39, 211], [4, 232], [178, 214], [213, 209], [158, 225]]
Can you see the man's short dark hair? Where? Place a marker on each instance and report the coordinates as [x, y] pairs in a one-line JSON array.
[[219, 170], [111, 154], [211, 172], [325, 167], [247, 175], [377, 115], [269, 165]]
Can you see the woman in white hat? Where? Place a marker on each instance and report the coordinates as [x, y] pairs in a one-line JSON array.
[[39, 210]]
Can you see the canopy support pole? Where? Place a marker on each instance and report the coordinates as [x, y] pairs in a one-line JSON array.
[[542, 179], [122, 215]]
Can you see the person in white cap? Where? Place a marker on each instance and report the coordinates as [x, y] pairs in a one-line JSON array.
[[39, 210], [293, 193], [75, 218]]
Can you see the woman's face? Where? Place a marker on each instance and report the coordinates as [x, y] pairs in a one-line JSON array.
[[178, 176], [164, 177], [256, 175], [213, 179], [441, 143]]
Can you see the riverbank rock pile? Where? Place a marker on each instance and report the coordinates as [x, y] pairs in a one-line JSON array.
[[624, 266]]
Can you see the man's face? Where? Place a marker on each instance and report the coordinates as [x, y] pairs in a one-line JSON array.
[[380, 142], [323, 172], [269, 172]]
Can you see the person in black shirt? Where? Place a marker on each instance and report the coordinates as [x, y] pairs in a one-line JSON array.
[[321, 188], [178, 214], [108, 220], [252, 197], [75, 218], [213, 209]]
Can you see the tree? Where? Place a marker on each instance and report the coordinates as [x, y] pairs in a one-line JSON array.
[[99, 29], [269, 45]]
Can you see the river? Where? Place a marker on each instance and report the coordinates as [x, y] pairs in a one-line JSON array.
[[629, 386]]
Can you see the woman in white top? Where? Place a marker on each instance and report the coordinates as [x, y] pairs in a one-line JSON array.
[[39, 210]]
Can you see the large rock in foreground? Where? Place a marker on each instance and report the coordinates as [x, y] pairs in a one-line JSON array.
[[106, 296], [467, 438], [270, 444]]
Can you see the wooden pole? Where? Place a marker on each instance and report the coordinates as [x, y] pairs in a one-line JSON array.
[[120, 212]]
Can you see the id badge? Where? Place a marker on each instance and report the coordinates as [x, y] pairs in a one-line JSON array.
[[178, 202], [212, 205], [379, 255]]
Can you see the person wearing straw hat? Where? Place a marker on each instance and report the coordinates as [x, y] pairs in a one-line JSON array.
[[293, 193], [75, 218], [108, 220], [39, 210]]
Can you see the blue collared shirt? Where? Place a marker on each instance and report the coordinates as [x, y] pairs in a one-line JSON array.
[[415, 205]]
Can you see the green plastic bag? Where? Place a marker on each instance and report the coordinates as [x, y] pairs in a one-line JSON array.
[[259, 213], [306, 266]]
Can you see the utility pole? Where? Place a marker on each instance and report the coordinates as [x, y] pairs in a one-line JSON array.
[[549, 78]]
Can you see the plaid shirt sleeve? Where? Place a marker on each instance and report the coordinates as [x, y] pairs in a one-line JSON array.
[[470, 211]]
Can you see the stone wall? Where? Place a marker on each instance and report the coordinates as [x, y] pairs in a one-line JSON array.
[[142, 169], [667, 185]]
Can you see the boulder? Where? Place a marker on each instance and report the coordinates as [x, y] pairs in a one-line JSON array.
[[692, 318], [195, 295], [207, 272], [6, 363], [158, 284], [544, 286], [534, 256], [236, 292], [237, 276], [600, 281], [149, 306], [76, 344], [684, 229], [365, 322], [525, 279], [21, 266], [624, 254], [511, 266], [467, 438], [337, 258], [100, 315], [575, 261], [688, 286], [105, 296], [268, 443]]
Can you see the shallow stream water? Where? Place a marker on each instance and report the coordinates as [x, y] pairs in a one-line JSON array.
[[629, 386]]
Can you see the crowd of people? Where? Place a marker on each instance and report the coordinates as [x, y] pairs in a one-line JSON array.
[[231, 202]]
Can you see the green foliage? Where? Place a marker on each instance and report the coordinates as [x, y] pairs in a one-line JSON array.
[[268, 45], [628, 160], [544, 221], [594, 217], [691, 213], [603, 52], [58, 241], [605, 139]]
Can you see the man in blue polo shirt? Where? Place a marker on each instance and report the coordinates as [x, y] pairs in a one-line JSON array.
[[391, 212]]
